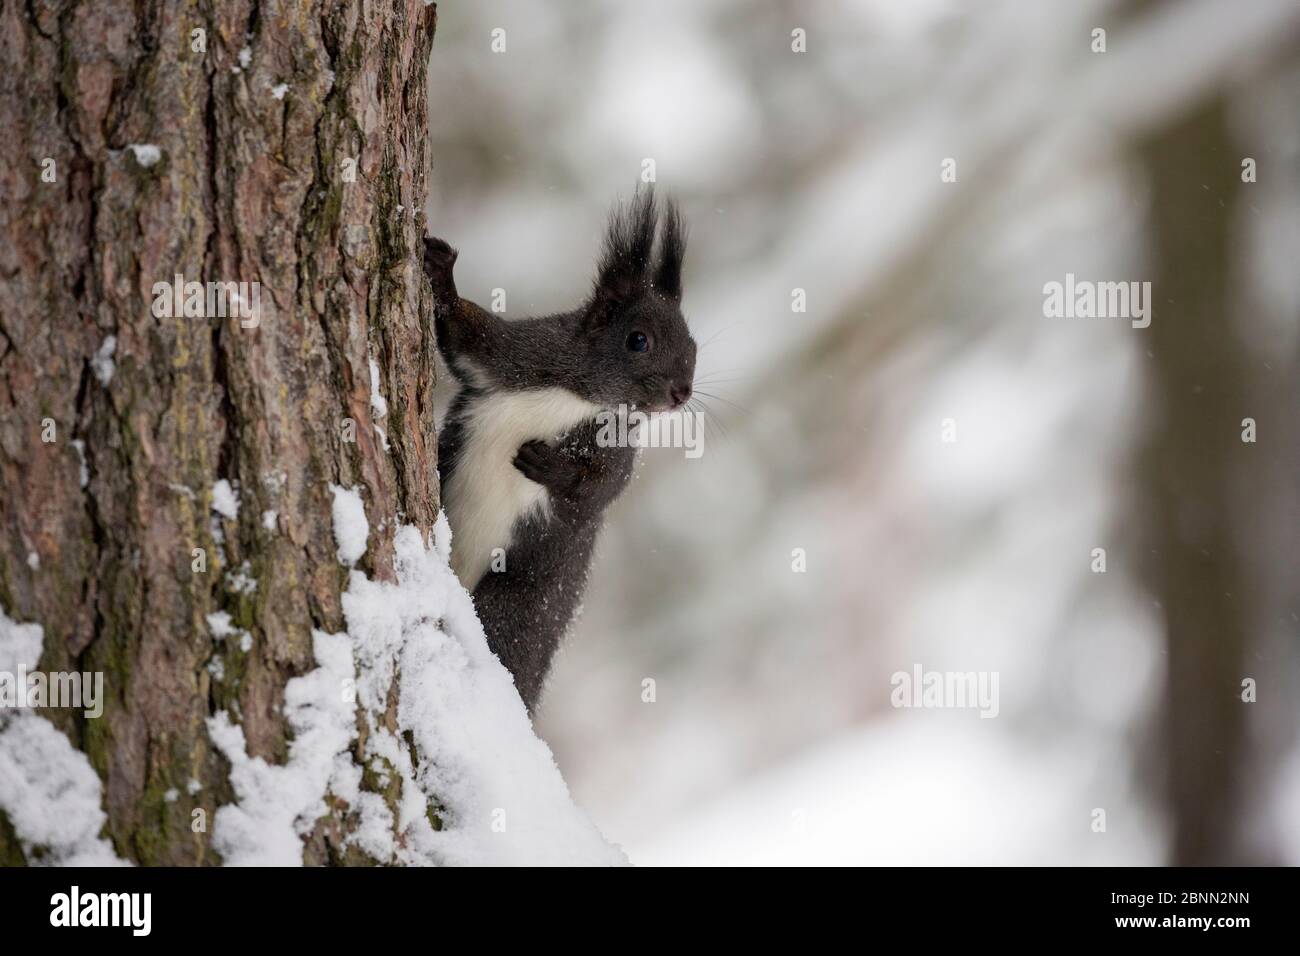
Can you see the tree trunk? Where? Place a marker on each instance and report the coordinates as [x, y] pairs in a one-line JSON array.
[[291, 153], [1209, 497]]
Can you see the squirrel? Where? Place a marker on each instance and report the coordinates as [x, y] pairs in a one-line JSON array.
[[518, 455]]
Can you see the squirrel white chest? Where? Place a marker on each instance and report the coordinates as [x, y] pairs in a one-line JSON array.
[[486, 494]]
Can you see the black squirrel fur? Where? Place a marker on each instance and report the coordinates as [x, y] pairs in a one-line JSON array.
[[581, 362]]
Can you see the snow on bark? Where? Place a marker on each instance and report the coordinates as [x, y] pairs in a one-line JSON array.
[[464, 749], [278, 805], [225, 501], [500, 795], [350, 525], [48, 790]]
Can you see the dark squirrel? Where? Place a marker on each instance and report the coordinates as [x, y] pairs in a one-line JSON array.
[[525, 482]]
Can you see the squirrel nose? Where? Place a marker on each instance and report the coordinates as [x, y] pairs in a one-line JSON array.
[[680, 394]]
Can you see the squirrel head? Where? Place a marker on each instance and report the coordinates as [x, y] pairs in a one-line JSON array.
[[641, 352]]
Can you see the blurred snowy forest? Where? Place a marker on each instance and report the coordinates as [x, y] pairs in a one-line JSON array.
[[771, 737]]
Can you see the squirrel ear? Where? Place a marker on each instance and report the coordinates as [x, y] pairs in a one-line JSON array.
[[625, 260], [672, 249]]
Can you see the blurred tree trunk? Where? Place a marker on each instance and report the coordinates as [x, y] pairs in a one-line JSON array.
[[261, 113], [1195, 470]]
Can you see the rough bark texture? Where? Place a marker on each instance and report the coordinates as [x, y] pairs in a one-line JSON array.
[[252, 186]]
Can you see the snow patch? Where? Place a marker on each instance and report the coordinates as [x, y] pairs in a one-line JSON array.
[[241, 580], [374, 829], [278, 805], [442, 537], [83, 475], [378, 404], [350, 525], [502, 798], [48, 790], [279, 91], [225, 501], [268, 519], [146, 154], [101, 363], [219, 624], [20, 646]]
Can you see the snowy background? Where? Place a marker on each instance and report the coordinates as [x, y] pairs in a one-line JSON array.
[[772, 738]]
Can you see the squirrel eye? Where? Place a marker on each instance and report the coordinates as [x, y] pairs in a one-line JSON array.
[[638, 342]]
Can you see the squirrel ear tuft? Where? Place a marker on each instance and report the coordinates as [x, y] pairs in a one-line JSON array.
[[625, 260], [672, 250]]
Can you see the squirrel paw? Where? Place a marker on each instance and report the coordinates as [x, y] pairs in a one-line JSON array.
[[439, 257], [439, 261], [539, 462]]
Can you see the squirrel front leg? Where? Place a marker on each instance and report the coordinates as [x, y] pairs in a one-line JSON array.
[[466, 333], [439, 263], [582, 477]]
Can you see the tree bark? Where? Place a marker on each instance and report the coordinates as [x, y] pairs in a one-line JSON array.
[[260, 122]]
